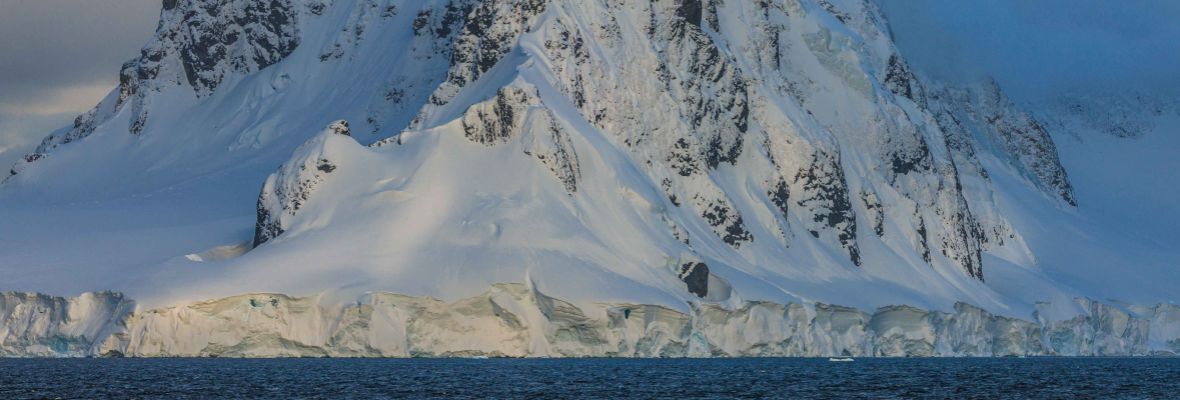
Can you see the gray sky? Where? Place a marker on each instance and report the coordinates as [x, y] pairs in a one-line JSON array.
[[58, 58], [1039, 48]]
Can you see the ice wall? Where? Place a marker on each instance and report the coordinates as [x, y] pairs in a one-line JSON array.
[[514, 320]]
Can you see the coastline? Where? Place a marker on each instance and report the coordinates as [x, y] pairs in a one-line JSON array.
[[512, 320]]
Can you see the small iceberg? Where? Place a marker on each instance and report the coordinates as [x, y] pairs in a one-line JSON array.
[[220, 253], [840, 359]]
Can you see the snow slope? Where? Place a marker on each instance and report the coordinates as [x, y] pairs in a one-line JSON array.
[[673, 153]]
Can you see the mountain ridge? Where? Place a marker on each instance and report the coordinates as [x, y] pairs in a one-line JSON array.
[[655, 152]]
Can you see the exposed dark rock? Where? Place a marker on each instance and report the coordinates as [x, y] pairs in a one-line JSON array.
[[453, 17], [696, 276], [210, 39], [923, 241], [711, 15], [489, 32], [666, 184], [420, 22], [780, 197], [325, 166], [552, 147], [287, 190], [340, 128], [1023, 139], [904, 160], [690, 10], [876, 212], [826, 197], [497, 121], [266, 227], [681, 159], [215, 38], [900, 80], [726, 222], [831, 8], [317, 8]]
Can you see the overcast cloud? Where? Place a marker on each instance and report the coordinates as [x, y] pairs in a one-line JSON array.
[[58, 58], [1039, 48]]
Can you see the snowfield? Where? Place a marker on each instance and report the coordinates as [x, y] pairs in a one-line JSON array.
[[583, 178]]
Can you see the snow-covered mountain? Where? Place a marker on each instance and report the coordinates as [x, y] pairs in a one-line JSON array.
[[725, 169]]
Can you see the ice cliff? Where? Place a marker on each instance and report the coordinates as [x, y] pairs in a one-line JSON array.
[[513, 320]]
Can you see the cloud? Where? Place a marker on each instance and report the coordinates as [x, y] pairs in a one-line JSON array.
[[59, 58], [19, 136], [1042, 48], [57, 43], [56, 101]]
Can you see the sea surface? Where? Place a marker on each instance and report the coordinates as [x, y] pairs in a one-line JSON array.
[[957, 378]]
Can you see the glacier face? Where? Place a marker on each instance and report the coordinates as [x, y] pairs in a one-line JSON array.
[[515, 320], [721, 169]]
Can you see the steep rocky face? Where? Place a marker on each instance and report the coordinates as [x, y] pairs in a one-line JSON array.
[[986, 111], [516, 113], [499, 119], [288, 190], [824, 192], [551, 146], [696, 276], [204, 43], [695, 96], [215, 38], [489, 31]]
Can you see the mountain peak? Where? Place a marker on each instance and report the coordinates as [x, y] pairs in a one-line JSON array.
[[660, 151]]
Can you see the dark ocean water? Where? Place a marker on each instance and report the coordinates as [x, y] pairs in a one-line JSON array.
[[1065, 378]]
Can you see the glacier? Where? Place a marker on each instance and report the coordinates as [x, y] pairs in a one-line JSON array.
[[678, 177], [516, 320]]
